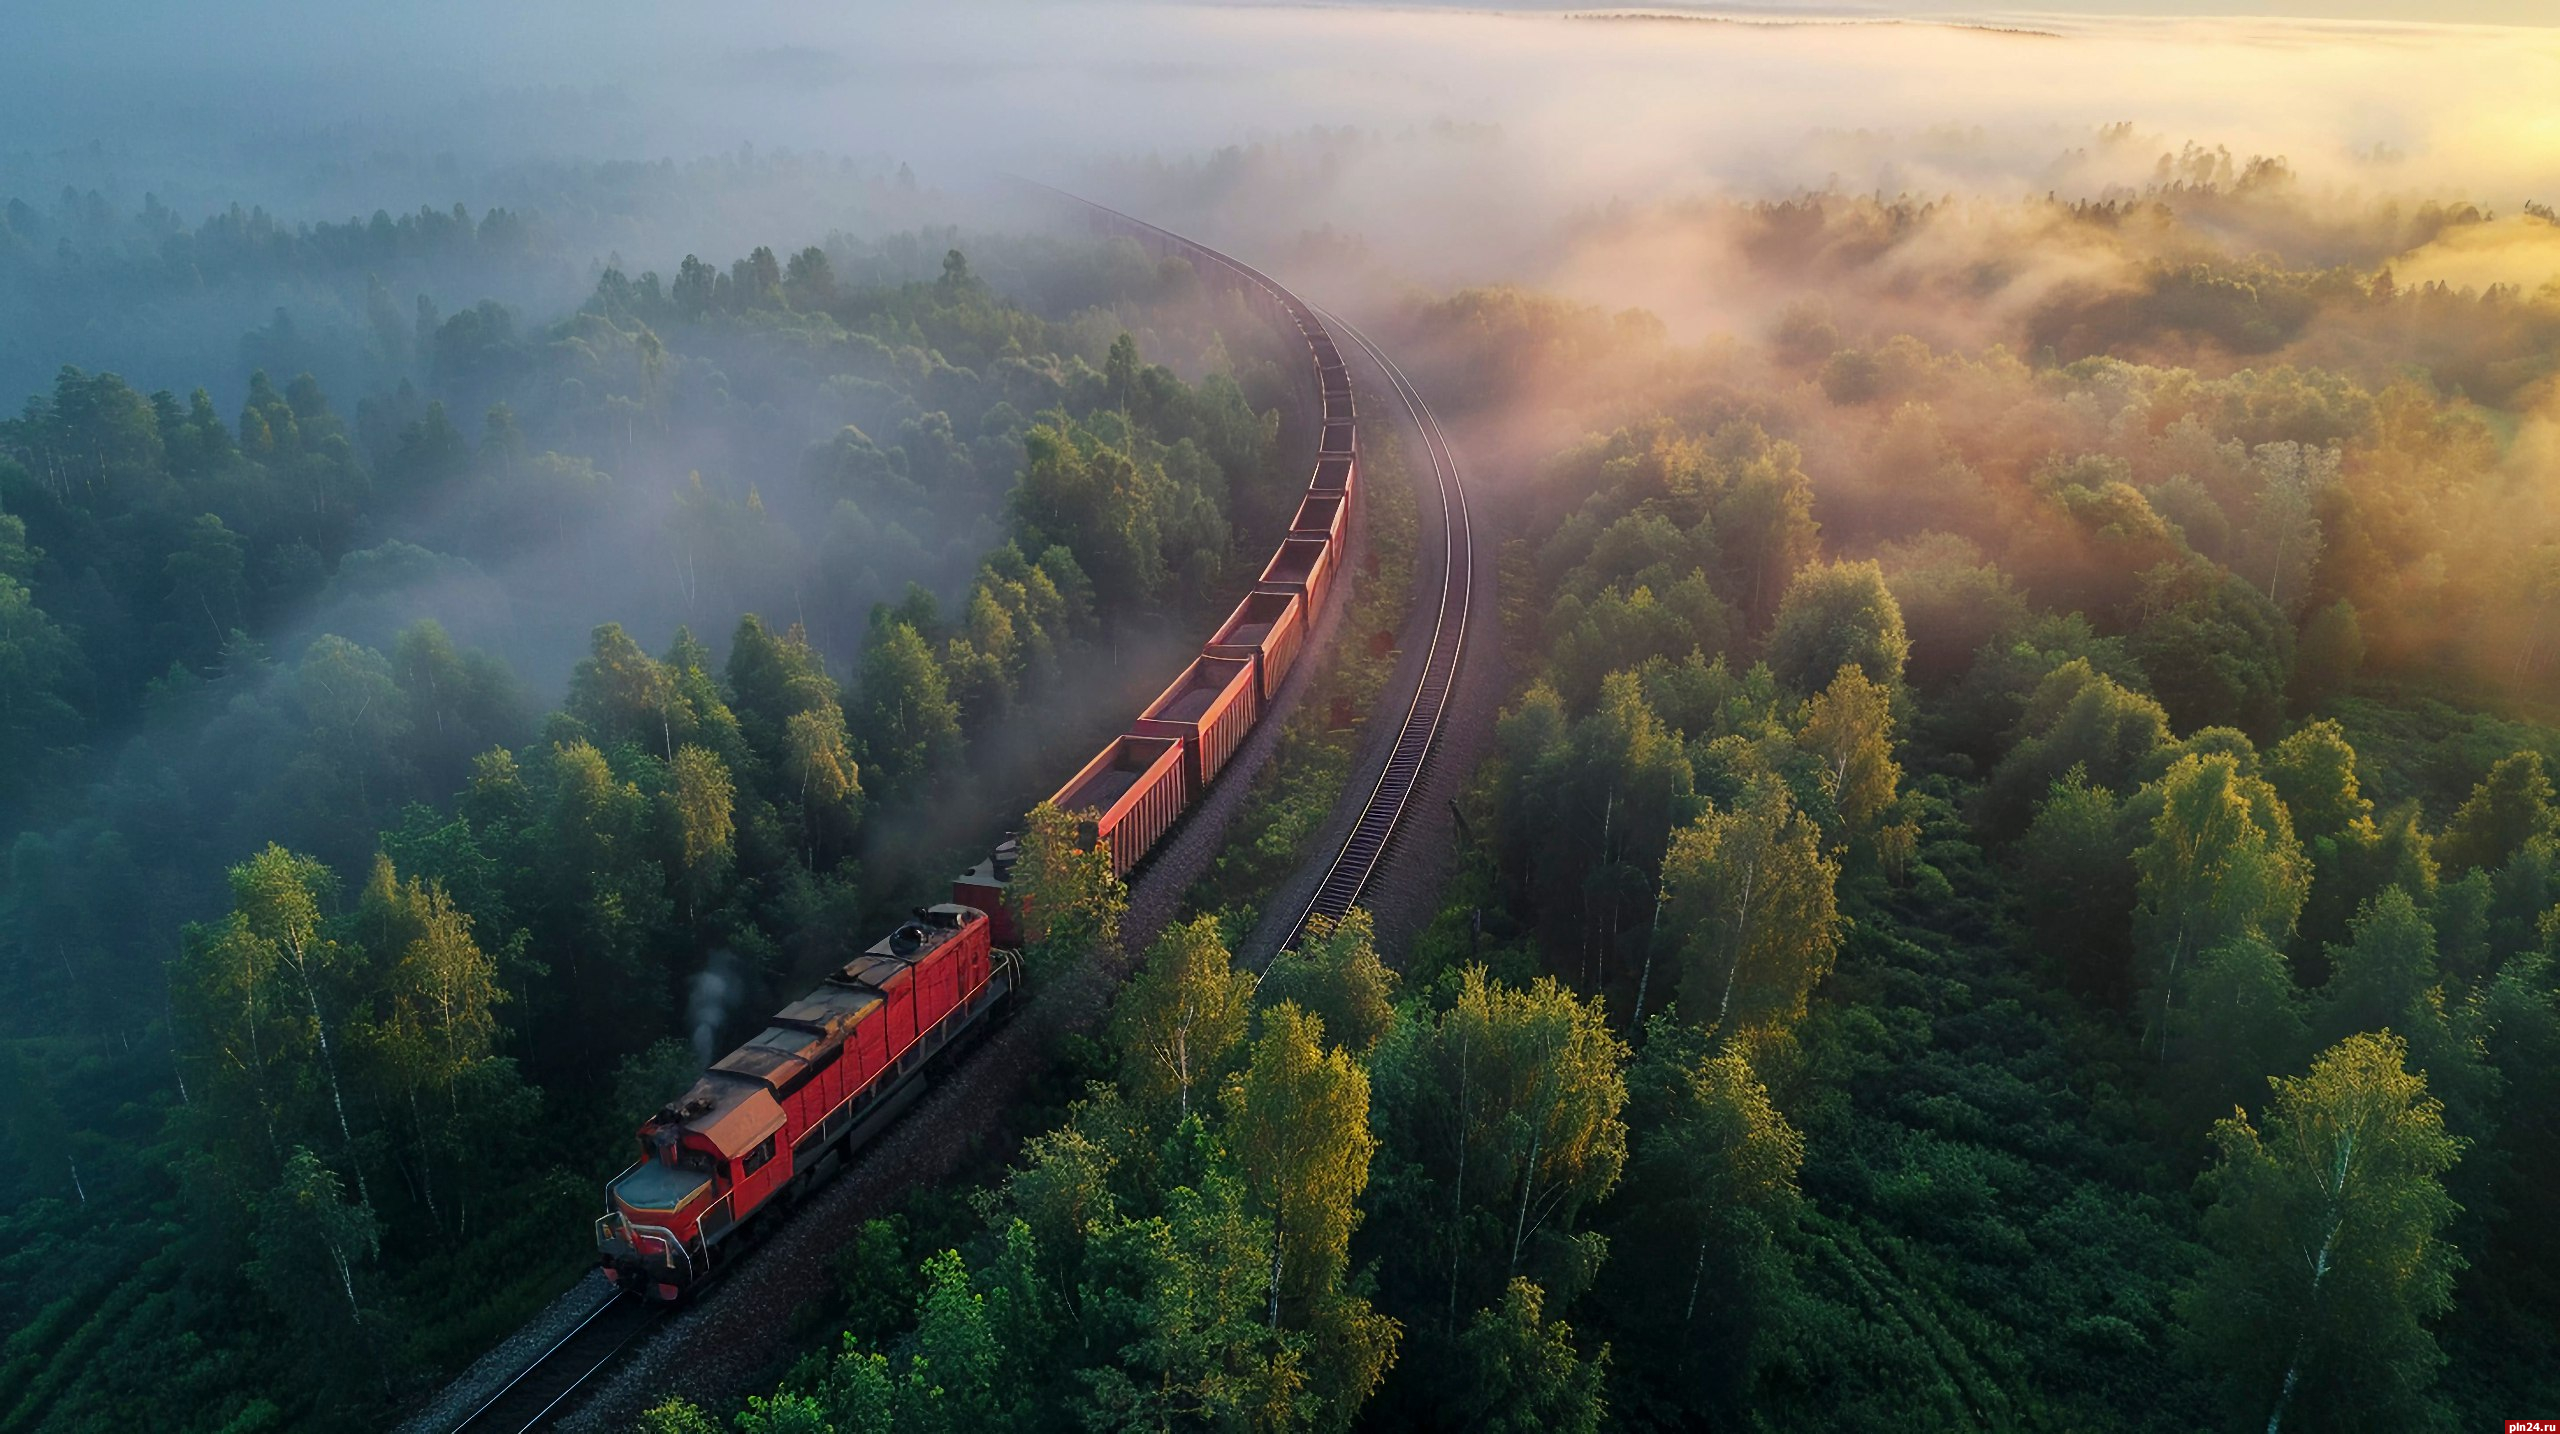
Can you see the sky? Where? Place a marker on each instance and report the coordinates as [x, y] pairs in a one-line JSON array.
[[2470, 12], [318, 110]]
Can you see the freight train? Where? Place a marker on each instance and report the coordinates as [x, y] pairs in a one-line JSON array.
[[833, 1068]]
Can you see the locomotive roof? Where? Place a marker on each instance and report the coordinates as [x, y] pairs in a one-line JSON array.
[[1007, 852], [730, 1110], [829, 1011], [774, 1056], [930, 933], [732, 1105]]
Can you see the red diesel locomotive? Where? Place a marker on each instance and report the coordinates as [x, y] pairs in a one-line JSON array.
[[825, 1074], [833, 1068]]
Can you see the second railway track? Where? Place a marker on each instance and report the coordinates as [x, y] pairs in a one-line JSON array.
[[1364, 849]]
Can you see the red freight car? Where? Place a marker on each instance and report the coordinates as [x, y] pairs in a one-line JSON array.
[[1337, 476], [1337, 408], [1303, 566], [1134, 789], [1210, 708], [823, 1076], [1322, 515], [1267, 628]]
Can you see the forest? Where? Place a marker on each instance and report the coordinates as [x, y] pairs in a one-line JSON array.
[[341, 969], [2017, 883], [2014, 891]]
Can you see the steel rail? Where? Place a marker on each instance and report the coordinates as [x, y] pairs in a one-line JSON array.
[[1364, 848], [541, 1387]]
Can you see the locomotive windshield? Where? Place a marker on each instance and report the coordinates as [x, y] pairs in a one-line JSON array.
[[660, 1188]]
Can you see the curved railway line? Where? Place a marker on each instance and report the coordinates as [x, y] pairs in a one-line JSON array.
[[543, 1389], [1365, 848]]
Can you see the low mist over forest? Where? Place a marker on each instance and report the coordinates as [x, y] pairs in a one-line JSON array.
[[2008, 875]]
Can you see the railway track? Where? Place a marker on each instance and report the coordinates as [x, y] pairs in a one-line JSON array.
[[1355, 864], [1365, 847], [533, 1397]]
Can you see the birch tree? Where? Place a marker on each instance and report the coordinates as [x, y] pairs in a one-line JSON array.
[[625, 695], [2221, 865], [2511, 806], [2327, 1257], [701, 800], [1336, 975], [275, 899], [438, 1018], [1069, 899], [1181, 1016], [1848, 729], [1508, 1113], [818, 762], [1749, 903], [1298, 1126], [313, 1253], [2284, 531]]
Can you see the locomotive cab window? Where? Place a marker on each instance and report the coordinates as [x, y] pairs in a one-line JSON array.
[[758, 1157]]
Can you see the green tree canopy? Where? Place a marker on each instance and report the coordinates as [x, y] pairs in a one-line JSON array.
[[625, 695], [2220, 864], [1523, 1374], [2314, 771], [910, 727], [2076, 717], [2510, 806], [1335, 975], [1181, 1016], [1749, 903], [1298, 1123], [1070, 900], [1848, 729], [1838, 615], [2218, 651], [2327, 1258], [1508, 1112]]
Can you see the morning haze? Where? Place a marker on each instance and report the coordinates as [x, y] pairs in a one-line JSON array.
[[1752, 717]]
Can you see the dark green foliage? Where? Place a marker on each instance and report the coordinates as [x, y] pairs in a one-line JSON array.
[[2218, 652], [2328, 656], [1952, 603], [2078, 720], [2077, 880], [2510, 807], [1522, 1373]]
